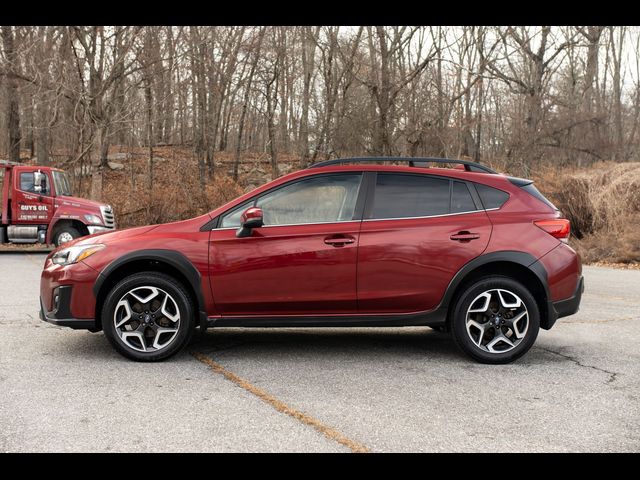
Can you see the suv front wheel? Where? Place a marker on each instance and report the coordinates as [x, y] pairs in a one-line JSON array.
[[495, 320], [148, 316]]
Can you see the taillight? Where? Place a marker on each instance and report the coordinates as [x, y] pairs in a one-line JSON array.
[[558, 227]]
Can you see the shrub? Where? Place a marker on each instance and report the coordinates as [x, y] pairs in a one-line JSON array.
[[603, 205]]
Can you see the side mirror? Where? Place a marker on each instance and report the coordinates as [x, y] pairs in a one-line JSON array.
[[251, 218], [37, 181]]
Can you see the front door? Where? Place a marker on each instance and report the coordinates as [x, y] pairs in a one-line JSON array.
[[418, 232], [301, 262], [29, 206]]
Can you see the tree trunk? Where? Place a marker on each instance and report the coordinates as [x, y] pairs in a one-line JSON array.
[[440, 121], [381, 145], [27, 122], [271, 127], [11, 94], [308, 57], [619, 152], [591, 70], [480, 106], [148, 97], [245, 101], [42, 134], [198, 94], [97, 165]]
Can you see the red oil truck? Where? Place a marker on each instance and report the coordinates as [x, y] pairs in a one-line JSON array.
[[37, 206]]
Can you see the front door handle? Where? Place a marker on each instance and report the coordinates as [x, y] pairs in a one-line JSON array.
[[464, 236], [339, 241]]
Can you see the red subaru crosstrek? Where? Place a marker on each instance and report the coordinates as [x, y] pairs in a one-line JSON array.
[[348, 242]]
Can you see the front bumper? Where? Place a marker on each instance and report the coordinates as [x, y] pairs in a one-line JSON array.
[[61, 313], [96, 229]]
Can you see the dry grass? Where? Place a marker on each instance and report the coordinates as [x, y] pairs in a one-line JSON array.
[[603, 204]]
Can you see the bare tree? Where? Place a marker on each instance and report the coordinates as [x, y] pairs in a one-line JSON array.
[[103, 63], [384, 48], [309, 38], [521, 96], [526, 65]]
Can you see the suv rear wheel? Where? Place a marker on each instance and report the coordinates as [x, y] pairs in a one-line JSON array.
[[495, 320], [148, 316]]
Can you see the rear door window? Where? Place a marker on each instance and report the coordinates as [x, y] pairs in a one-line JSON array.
[[406, 196]]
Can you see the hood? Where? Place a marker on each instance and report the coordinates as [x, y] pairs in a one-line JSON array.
[[76, 202], [190, 225], [117, 234], [105, 237]]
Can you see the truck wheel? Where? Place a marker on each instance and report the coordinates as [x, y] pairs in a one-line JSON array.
[[148, 316], [64, 235], [495, 320]]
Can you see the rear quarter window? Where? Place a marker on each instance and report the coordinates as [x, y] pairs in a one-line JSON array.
[[491, 197], [461, 199], [532, 190]]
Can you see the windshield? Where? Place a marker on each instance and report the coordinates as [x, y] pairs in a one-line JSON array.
[[61, 181]]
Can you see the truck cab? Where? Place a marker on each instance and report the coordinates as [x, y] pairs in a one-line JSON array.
[[38, 206]]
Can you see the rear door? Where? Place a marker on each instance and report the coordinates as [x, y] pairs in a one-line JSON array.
[[29, 206], [418, 231]]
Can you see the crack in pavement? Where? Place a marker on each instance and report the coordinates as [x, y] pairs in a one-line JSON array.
[[612, 375], [306, 419]]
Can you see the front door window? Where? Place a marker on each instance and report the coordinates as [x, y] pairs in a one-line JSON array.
[[325, 199]]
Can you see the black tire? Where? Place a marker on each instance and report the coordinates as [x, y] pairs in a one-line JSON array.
[[73, 232], [459, 317], [169, 285]]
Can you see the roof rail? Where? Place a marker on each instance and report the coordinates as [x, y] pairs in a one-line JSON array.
[[468, 166]]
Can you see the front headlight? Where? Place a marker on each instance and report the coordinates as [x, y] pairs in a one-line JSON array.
[[93, 219], [74, 254]]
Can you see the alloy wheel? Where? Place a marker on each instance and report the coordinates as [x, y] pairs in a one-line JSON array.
[[147, 319], [497, 321]]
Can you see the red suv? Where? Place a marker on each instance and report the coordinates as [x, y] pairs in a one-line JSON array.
[[348, 242]]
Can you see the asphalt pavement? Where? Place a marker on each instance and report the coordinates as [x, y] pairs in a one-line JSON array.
[[322, 390]]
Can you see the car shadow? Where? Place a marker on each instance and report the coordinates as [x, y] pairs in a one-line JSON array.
[[313, 345], [264, 344]]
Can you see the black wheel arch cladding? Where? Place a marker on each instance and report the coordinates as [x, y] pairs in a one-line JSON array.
[[522, 259], [172, 258]]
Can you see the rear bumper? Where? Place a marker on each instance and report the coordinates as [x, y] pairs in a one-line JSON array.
[[570, 305], [566, 307], [61, 314]]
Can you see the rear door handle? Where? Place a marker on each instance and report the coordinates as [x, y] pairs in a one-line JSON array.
[[464, 236], [340, 241]]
